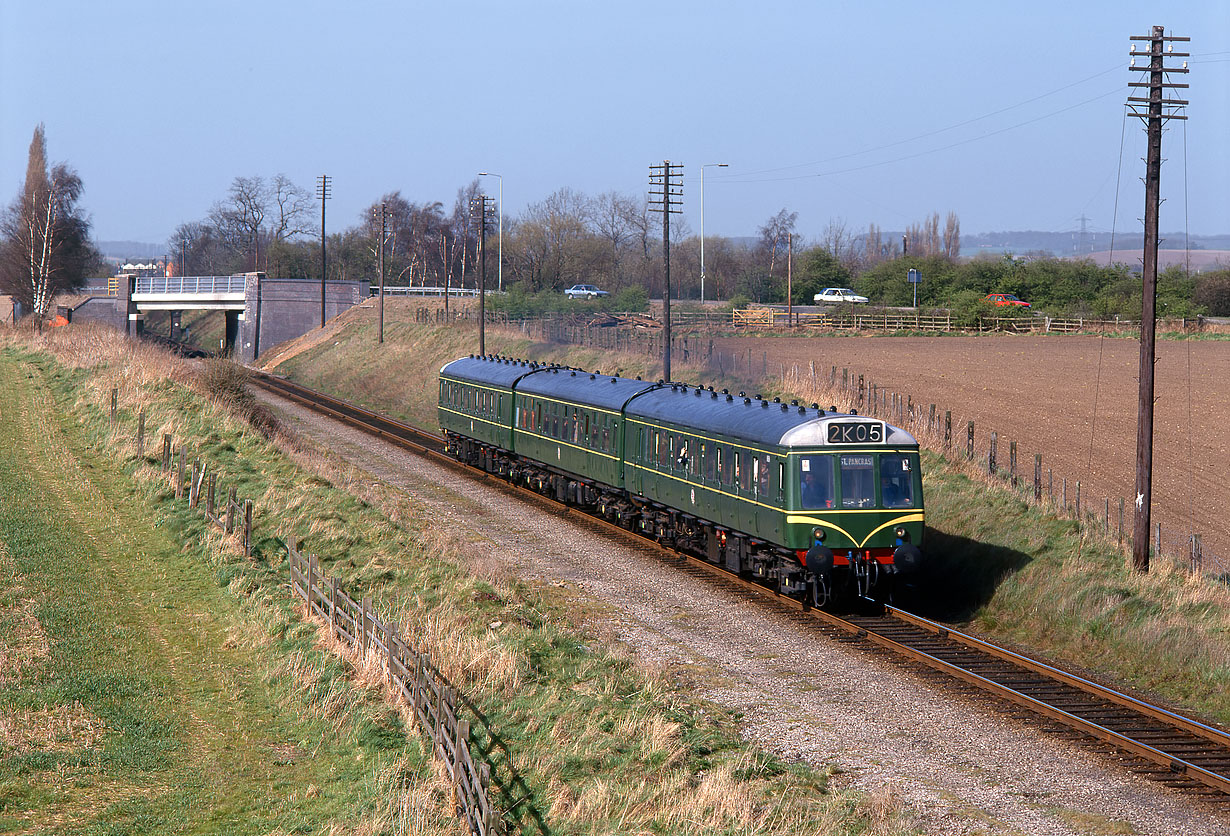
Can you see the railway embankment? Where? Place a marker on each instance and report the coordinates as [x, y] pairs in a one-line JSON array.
[[1005, 567], [580, 739]]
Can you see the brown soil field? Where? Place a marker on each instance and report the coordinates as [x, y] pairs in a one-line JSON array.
[[1072, 399]]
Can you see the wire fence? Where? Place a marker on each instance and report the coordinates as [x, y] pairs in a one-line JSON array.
[[1001, 460]]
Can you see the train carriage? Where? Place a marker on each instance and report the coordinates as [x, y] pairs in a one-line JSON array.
[[475, 408], [801, 497]]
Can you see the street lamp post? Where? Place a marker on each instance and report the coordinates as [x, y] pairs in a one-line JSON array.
[[702, 224], [500, 248]]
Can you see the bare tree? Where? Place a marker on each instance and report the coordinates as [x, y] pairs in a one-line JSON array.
[[774, 235], [44, 241], [240, 220], [611, 215], [952, 237]]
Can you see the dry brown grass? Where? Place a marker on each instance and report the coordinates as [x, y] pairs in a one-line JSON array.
[[59, 728]]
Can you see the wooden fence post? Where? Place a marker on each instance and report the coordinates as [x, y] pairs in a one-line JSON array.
[[1078, 500], [308, 592], [229, 528], [364, 620], [1197, 555], [931, 419], [1037, 477], [141, 435], [1064, 495], [1157, 548], [335, 629], [860, 390], [484, 782], [390, 641], [947, 428], [192, 483], [115, 394], [969, 441], [461, 742], [1120, 519], [166, 452], [247, 528], [1106, 526], [292, 561], [991, 455], [183, 466], [1012, 462], [210, 495]]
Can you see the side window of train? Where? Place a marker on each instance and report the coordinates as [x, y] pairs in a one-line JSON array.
[[721, 464], [538, 417], [781, 481], [706, 458], [738, 470], [745, 479], [763, 477]]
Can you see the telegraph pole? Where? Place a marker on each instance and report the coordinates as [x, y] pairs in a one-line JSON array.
[[481, 208], [324, 192], [1153, 109], [666, 185], [384, 216], [789, 279]]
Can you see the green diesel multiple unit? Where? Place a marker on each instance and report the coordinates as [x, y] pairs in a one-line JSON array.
[[752, 484]]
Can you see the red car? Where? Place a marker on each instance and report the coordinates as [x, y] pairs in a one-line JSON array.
[[1005, 299]]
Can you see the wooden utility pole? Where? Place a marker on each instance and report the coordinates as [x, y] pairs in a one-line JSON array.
[[384, 217], [481, 207], [324, 191], [666, 185], [789, 279], [1153, 109]]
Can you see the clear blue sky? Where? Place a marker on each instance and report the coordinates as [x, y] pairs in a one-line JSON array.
[[1011, 115]]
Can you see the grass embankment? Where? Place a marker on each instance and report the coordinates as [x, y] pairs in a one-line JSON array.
[[151, 682], [1013, 571], [581, 741]]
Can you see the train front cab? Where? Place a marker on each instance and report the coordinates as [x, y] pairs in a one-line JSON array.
[[865, 507]]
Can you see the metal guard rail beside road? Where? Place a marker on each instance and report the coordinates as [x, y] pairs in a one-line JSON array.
[[411, 675]]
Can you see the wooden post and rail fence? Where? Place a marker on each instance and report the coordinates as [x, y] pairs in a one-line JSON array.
[[410, 672]]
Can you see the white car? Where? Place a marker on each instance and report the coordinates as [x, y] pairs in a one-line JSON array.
[[838, 296], [584, 291]]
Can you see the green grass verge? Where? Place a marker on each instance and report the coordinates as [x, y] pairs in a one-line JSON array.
[[162, 686]]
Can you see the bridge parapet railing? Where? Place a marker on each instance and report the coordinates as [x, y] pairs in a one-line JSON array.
[[197, 285]]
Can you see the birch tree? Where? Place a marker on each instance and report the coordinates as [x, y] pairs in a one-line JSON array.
[[44, 240]]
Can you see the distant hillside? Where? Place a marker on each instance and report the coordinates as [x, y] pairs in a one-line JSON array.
[[130, 250], [1075, 243]]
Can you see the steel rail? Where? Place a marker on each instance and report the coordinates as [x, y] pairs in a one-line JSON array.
[[1172, 762]]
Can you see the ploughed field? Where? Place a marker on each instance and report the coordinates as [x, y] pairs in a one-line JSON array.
[[1072, 399]]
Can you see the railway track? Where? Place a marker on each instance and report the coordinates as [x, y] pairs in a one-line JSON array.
[[1165, 746]]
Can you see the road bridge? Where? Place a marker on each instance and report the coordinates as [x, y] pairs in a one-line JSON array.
[[260, 312]]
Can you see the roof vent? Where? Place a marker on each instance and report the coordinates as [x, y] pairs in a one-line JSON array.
[[743, 394], [725, 391], [729, 398], [574, 374], [591, 377], [613, 380], [854, 412], [747, 401], [832, 409], [713, 394], [794, 403], [698, 391], [777, 400], [764, 404], [784, 407], [815, 406], [802, 410]]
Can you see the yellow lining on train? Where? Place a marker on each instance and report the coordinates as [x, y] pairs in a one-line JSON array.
[[794, 518]]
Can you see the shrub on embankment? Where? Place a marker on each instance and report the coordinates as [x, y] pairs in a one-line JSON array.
[[581, 741], [1013, 571]]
